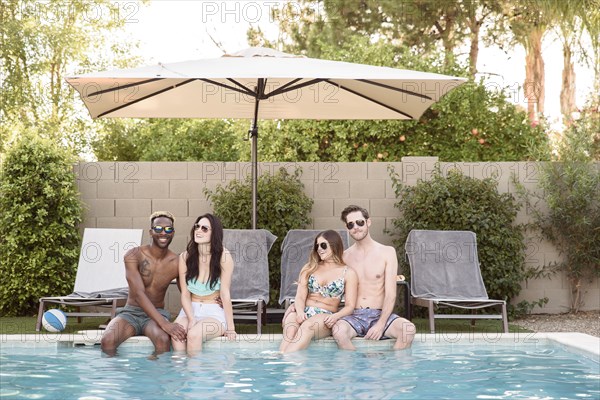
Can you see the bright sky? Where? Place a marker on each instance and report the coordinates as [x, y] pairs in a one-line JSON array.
[[173, 30]]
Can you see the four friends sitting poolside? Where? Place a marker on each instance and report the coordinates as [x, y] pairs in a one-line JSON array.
[[364, 275]]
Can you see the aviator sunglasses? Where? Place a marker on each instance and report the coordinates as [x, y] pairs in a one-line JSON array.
[[359, 222], [160, 229], [323, 245], [203, 228]]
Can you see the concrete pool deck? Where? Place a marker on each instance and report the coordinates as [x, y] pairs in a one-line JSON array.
[[581, 343]]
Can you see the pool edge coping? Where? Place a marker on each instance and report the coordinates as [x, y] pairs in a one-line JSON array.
[[581, 343]]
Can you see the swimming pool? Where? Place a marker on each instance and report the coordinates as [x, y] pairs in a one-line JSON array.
[[433, 368]]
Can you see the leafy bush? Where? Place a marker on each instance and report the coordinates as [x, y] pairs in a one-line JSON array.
[[457, 202], [567, 211], [281, 205], [171, 139], [39, 202]]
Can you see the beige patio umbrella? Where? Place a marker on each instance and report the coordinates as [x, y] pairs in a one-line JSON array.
[[261, 83]]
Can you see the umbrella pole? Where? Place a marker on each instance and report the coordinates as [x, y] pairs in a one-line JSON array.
[[254, 153], [254, 150]]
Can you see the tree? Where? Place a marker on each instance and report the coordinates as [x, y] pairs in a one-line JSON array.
[[568, 27], [528, 22], [567, 19], [39, 41], [591, 21], [303, 27], [426, 25]]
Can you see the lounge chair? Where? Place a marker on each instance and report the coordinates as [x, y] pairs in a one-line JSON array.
[[100, 279], [295, 249], [250, 282], [444, 272]]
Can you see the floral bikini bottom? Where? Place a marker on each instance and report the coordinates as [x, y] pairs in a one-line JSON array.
[[312, 311]]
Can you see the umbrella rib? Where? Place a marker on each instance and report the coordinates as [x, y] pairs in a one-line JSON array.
[[145, 97], [285, 87], [370, 99], [240, 89], [383, 85], [243, 88], [124, 87]]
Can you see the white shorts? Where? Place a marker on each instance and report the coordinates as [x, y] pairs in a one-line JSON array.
[[203, 311]]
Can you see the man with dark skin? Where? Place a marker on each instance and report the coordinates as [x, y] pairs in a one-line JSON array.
[[149, 270]]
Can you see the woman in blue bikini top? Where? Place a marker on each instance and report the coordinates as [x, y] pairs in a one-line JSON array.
[[323, 282], [205, 273]]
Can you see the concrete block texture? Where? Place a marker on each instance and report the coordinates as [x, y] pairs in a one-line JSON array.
[[114, 190], [124, 194], [87, 190], [99, 208], [133, 207], [323, 208], [198, 207], [380, 170], [383, 208], [174, 206], [373, 188], [169, 170], [189, 189], [332, 190]]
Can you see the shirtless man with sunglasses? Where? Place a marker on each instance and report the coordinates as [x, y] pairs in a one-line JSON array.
[[376, 266], [149, 270]]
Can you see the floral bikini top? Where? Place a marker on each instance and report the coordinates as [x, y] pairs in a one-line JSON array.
[[334, 289]]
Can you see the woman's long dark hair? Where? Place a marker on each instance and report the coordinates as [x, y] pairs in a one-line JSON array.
[[216, 252]]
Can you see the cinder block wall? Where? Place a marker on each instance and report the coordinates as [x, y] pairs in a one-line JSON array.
[[124, 194]]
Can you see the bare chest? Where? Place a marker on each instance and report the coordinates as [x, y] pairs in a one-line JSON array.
[[368, 269], [157, 273]]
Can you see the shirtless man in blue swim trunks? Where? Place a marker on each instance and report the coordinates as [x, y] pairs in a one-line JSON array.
[[376, 266], [149, 270]]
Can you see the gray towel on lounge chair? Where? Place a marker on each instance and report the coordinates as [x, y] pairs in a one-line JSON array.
[[295, 250], [249, 249], [444, 265], [103, 294]]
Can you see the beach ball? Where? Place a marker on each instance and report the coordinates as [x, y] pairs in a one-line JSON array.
[[54, 320]]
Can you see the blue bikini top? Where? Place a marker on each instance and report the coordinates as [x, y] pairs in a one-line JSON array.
[[334, 289], [203, 288]]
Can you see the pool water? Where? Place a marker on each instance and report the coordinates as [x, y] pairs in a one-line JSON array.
[[427, 372]]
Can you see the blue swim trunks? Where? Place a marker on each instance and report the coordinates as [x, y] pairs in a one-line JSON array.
[[362, 319]]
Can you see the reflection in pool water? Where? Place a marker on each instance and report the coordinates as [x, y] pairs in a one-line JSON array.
[[454, 372]]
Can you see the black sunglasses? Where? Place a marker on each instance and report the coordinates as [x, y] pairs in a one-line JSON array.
[[322, 244], [160, 229], [359, 222], [203, 228]]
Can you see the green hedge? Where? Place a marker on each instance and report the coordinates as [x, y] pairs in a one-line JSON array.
[[457, 202], [40, 209]]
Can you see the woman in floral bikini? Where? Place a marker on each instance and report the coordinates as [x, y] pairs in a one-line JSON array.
[[322, 283]]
